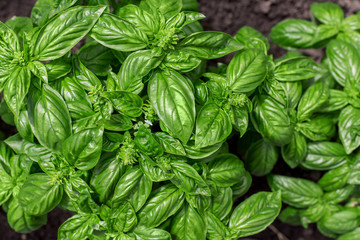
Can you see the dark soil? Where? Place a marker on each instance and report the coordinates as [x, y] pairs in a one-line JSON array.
[[222, 15]]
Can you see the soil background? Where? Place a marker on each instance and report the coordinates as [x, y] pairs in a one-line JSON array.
[[222, 15]]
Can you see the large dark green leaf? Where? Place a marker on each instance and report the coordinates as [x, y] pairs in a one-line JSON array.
[[17, 88], [136, 66], [213, 125], [79, 227], [295, 69], [142, 233], [349, 126], [165, 203], [116, 33], [188, 179], [172, 97], [143, 20], [247, 70], [327, 13], [167, 8], [170, 144], [255, 214], [261, 157], [106, 175], [324, 156], [294, 152], [96, 58], [188, 224], [22, 222], [133, 186], [296, 192], [293, 33], [83, 149], [125, 102], [64, 31], [208, 45], [52, 123], [335, 178], [271, 119], [313, 98], [226, 170], [40, 194], [252, 38], [344, 62], [44, 9], [33, 151], [222, 203]]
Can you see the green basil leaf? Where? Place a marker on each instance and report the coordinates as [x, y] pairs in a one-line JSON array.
[[135, 67], [340, 222], [222, 203], [312, 214], [106, 175], [116, 33], [78, 226], [349, 123], [143, 20], [142, 233], [134, 187], [339, 195], [167, 8], [44, 9], [170, 144], [72, 91], [188, 179], [335, 178], [351, 23], [215, 228], [271, 119], [261, 157], [83, 149], [200, 153], [146, 142], [64, 31], [39, 70], [255, 214], [22, 222], [33, 151], [9, 43], [17, 88], [213, 125], [152, 170], [181, 61], [247, 70], [295, 69], [125, 102], [96, 58], [252, 38], [290, 216], [23, 126], [165, 203], [20, 25], [324, 156], [39, 194], [344, 62], [118, 123], [293, 33], [226, 170], [58, 68], [240, 119], [208, 45], [242, 186], [87, 79], [327, 13], [296, 192], [320, 128], [294, 152], [188, 224], [173, 100], [350, 235], [313, 98], [52, 124], [337, 100]]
